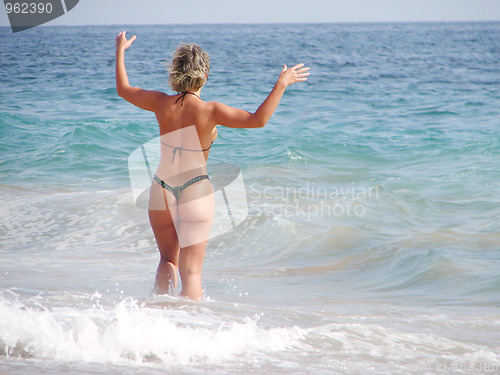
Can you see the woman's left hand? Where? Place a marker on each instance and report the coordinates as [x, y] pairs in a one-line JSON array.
[[122, 42]]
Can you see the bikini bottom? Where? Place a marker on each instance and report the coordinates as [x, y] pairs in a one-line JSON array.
[[177, 190]]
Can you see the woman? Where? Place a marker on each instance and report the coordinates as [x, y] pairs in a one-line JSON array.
[[181, 203]]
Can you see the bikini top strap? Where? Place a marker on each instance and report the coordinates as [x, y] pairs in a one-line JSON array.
[[175, 149], [183, 95], [209, 146]]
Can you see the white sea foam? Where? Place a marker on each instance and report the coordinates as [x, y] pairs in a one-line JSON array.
[[135, 333]]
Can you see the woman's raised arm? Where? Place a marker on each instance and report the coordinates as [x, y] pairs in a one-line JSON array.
[[145, 99], [236, 118]]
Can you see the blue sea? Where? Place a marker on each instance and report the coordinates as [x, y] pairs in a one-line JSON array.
[[371, 244]]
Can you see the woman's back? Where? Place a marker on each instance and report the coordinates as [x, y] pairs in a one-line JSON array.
[[186, 134]]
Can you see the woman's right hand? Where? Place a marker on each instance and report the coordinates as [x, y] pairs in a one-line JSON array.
[[294, 74]]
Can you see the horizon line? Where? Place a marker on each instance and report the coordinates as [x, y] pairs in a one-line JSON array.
[[274, 23]]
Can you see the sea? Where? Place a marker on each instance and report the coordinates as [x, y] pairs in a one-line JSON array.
[[369, 239]]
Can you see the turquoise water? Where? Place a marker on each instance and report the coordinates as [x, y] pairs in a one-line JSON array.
[[372, 238]]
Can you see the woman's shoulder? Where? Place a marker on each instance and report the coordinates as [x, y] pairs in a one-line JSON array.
[[215, 107]]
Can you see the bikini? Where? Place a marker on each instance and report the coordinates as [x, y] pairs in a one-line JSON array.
[[183, 95], [177, 190]]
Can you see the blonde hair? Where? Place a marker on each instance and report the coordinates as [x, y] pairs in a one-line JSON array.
[[189, 68]]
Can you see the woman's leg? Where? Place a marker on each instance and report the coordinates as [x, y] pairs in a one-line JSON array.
[[190, 265], [196, 211], [162, 223]]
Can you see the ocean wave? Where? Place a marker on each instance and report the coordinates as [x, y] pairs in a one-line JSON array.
[[154, 333], [132, 333]]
